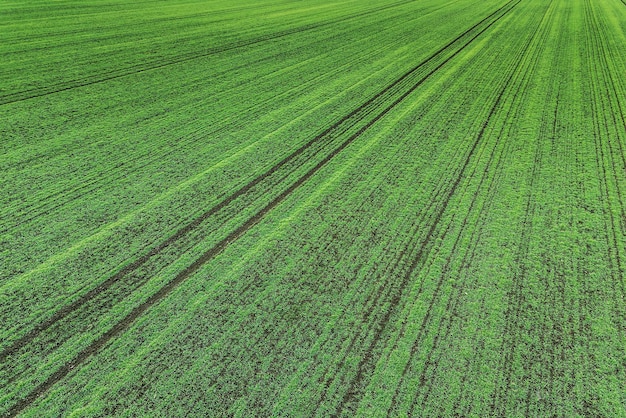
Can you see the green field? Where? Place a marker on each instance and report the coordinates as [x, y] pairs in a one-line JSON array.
[[313, 208]]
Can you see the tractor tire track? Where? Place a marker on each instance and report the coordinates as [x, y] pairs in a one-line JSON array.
[[182, 232], [387, 177], [359, 114], [37, 209], [225, 358]]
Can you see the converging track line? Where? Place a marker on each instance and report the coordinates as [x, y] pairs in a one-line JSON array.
[[359, 114]]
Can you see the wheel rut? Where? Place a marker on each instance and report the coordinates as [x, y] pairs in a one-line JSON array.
[[326, 146]]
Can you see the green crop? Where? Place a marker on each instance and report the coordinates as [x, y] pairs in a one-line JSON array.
[[278, 208]]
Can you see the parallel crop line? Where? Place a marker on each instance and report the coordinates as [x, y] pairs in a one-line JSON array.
[[453, 302], [602, 154], [372, 301], [115, 28], [597, 107], [454, 306], [515, 295], [446, 268], [613, 93], [356, 382], [475, 231], [388, 268], [610, 224], [389, 23], [551, 127], [211, 253], [99, 78], [384, 290], [428, 314], [37, 209]]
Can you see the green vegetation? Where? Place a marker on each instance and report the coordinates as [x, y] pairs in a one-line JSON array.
[[278, 208]]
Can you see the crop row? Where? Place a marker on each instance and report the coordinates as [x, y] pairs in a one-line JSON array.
[[49, 334], [374, 217]]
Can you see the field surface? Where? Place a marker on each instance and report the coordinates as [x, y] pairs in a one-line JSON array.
[[313, 208]]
